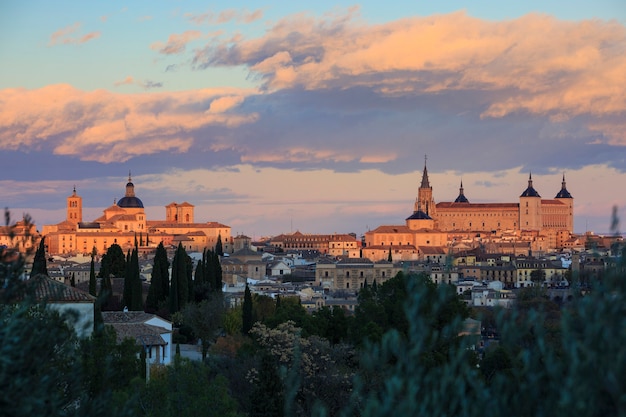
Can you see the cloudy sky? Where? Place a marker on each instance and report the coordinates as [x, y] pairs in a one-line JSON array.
[[273, 116]]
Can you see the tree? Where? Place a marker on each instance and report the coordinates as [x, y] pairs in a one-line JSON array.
[[219, 250], [92, 276], [39, 262], [159, 282], [136, 299], [187, 389], [179, 287], [268, 397], [128, 277], [247, 312], [40, 371], [205, 318], [389, 257], [113, 262]]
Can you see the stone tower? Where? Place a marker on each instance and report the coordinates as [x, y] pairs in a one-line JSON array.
[[425, 201], [74, 208], [530, 208], [565, 197]]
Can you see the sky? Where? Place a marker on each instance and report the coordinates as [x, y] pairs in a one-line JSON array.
[[279, 116]]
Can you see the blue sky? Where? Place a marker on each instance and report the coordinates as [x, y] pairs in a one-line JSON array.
[[273, 116]]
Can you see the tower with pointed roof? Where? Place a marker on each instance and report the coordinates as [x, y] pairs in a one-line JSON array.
[[461, 198], [566, 198], [530, 208], [425, 201], [74, 208]]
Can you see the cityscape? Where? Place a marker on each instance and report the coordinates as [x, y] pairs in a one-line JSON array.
[[335, 209]]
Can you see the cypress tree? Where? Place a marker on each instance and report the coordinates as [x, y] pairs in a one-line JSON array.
[[189, 275], [389, 258], [161, 258], [217, 273], [39, 262], [219, 250], [174, 306], [247, 315], [127, 294], [136, 301], [179, 279], [155, 294], [92, 277]]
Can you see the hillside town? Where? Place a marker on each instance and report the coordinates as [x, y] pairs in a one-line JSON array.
[[181, 289]]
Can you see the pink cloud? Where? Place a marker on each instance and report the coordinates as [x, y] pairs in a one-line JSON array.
[[66, 36], [106, 127], [225, 16], [176, 43], [533, 64]]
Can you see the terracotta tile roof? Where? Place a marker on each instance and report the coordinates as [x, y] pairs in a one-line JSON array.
[[477, 206], [132, 324], [392, 229], [55, 291]]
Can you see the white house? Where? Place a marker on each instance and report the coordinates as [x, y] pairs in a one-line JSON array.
[[64, 298], [149, 331], [277, 269]]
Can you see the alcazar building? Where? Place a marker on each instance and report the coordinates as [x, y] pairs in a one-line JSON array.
[[534, 223], [125, 222]]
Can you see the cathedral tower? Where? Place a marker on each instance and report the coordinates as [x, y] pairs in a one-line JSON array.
[[74, 208], [425, 201]]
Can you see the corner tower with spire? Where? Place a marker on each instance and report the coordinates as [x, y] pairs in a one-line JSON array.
[[530, 208]]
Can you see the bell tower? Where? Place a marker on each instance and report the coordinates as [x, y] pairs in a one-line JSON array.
[[74, 208]]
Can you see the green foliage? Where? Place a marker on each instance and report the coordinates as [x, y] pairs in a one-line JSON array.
[[219, 250], [159, 282], [39, 262], [113, 262], [92, 277], [42, 371], [187, 389], [179, 286], [247, 312], [233, 320], [109, 366], [288, 309], [205, 318], [268, 397], [136, 298]]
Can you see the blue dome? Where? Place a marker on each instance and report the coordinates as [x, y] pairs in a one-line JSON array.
[[130, 202]]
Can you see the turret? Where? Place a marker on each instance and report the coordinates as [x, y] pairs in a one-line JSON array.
[[461, 198], [530, 208]]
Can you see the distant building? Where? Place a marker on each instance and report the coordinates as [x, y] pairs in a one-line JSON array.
[[436, 229], [351, 273], [125, 222], [334, 244]]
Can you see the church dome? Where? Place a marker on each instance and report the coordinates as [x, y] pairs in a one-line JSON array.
[[129, 200]]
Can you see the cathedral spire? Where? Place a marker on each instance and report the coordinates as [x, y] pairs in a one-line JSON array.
[[425, 182]]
